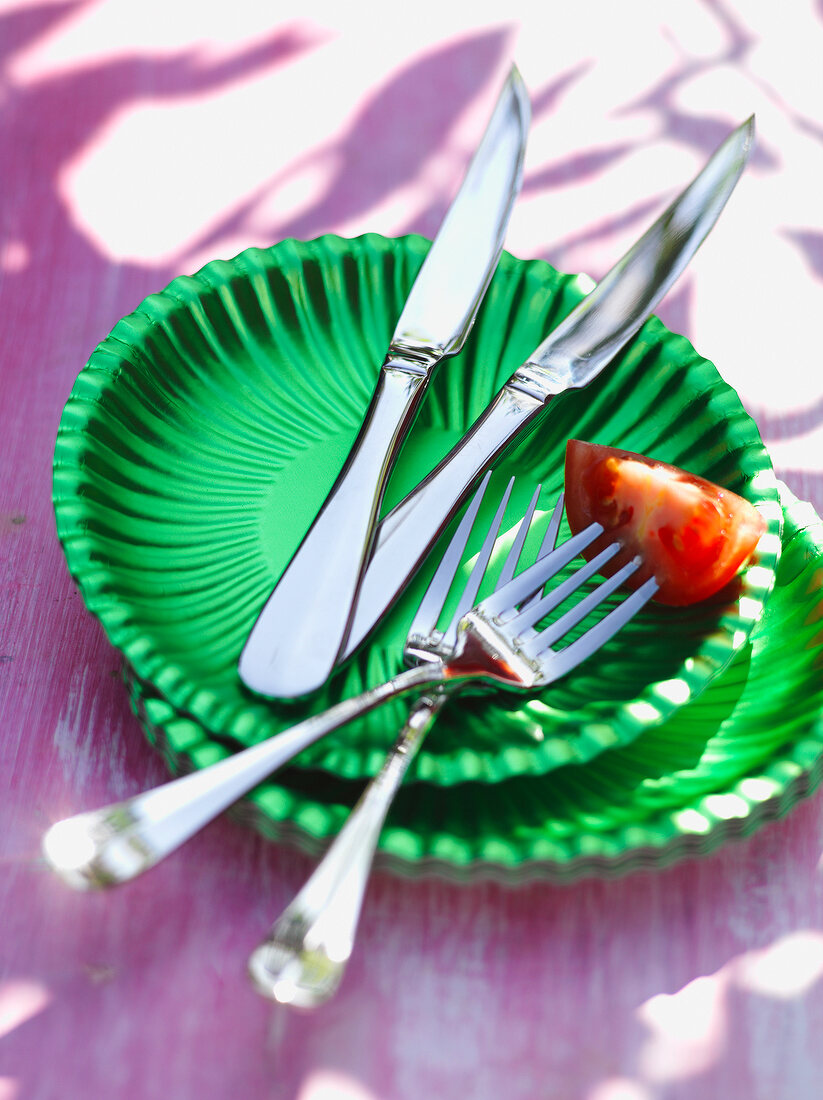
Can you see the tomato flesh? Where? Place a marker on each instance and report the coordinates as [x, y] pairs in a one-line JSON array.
[[692, 535]]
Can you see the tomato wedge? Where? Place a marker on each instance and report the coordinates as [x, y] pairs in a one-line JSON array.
[[692, 535]]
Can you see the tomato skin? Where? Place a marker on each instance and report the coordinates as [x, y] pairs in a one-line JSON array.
[[692, 535]]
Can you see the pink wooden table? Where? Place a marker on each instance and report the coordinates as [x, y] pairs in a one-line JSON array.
[[141, 139]]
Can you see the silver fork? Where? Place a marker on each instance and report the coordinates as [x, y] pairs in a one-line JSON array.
[[303, 959], [119, 842]]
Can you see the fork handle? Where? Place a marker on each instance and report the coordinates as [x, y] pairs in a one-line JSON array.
[[115, 844], [303, 958], [295, 641]]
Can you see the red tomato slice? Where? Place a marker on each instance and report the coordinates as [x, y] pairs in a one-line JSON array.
[[693, 536]]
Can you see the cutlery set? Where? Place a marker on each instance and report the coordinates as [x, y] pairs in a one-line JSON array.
[[303, 959], [505, 630]]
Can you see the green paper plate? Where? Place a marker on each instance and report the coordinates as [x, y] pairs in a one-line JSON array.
[[742, 754], [203, 435]]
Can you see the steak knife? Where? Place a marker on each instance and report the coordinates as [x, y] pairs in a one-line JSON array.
[[298, 635], [569, 358]]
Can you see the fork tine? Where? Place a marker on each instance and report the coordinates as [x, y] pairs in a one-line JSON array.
[[533, 611], [425, 619], [467, 600], [565, 660], [533, 578], [553, 530], [513, 556], [548, 544], [581, 609]]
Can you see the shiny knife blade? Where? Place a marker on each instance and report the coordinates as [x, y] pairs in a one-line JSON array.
[[297, 638], [569, 358]]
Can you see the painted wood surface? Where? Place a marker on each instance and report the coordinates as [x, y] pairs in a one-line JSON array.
[[138, 140]]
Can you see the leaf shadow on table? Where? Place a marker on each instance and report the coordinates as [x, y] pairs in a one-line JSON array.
[[46, 123], [505, 992], [400, 128]]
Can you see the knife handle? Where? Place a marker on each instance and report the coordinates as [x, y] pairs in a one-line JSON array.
[[298, 634], [410, 530]]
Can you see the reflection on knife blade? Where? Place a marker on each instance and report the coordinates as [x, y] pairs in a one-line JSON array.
[[569, 358], [298, 636]]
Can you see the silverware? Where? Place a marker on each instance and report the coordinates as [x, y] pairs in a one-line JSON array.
[[297, 637], [569, 358], [119, 842], [304, 957]]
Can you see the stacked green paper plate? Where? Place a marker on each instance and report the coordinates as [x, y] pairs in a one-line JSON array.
[[742, 754], [205, 432]]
